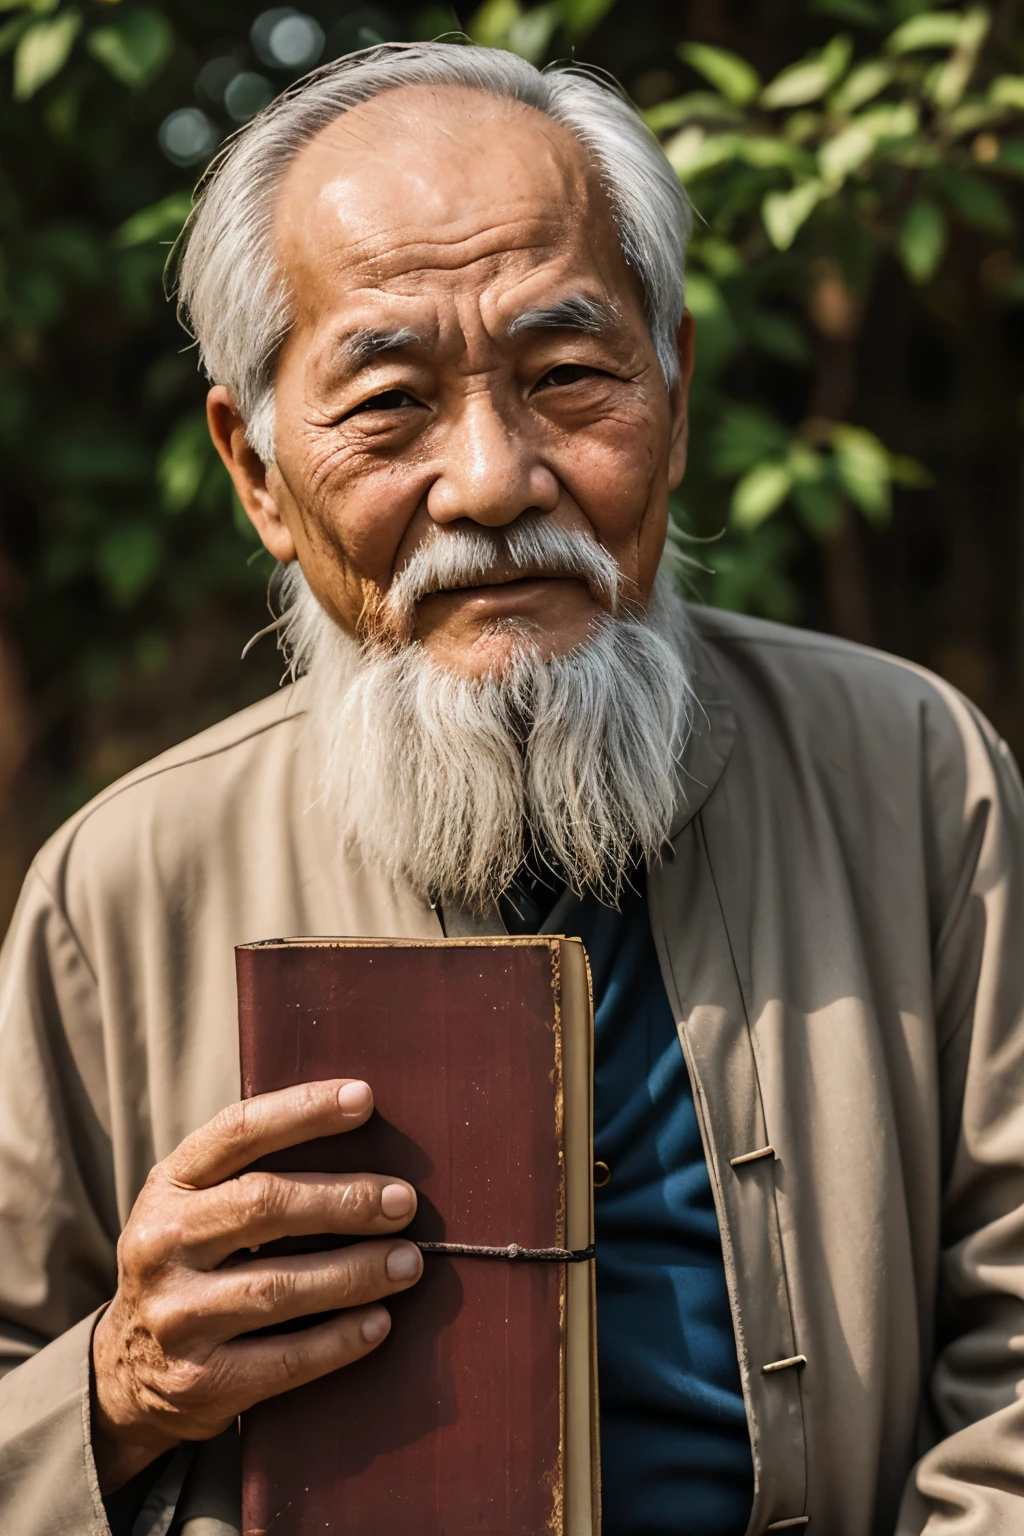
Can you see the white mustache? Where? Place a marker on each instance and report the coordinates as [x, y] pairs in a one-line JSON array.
[[476, 556]]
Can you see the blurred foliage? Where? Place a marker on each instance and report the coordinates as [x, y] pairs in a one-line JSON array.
[[876, 145], [855, 168]]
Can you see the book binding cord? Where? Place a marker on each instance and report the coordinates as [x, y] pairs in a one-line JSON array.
[[513, 1252]]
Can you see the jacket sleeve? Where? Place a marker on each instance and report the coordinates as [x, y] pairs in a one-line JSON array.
[[58, 1221], [971, 1482]]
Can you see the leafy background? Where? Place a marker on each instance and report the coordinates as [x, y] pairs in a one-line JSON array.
[[856, 278]]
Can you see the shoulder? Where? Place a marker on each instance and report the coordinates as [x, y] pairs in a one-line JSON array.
[[883, 741], [759, 646], [186, 792], [821, 683]]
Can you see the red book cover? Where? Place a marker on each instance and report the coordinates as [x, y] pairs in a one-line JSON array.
[[477, 1413]]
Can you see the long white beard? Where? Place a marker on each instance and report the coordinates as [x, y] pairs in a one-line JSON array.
[[434, 777]]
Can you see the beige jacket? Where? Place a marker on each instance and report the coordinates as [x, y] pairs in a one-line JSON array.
[[838, 919]]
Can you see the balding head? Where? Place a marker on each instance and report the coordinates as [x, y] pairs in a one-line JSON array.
[[232, 294]]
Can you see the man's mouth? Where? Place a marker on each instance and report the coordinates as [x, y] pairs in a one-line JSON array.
[[492, 580]]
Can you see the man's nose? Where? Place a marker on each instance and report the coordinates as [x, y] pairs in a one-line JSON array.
[[491, 471]]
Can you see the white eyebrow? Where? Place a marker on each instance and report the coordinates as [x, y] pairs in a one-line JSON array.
[[576, 313], [361, 346]]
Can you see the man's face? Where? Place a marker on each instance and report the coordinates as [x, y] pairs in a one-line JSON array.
[[469, 345]]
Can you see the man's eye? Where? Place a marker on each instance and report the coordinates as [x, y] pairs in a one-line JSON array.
[[390, 400], [569, 373]]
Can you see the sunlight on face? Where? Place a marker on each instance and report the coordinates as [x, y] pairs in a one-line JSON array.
[[469, 346]]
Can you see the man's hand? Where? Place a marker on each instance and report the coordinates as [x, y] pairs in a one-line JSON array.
[[171, 1358]]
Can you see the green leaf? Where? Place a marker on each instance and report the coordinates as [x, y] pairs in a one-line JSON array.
[[127, 559], [1011, 154], [737, 80], [819, 505], [909, 473], [716, 328], [803, 125], [797, 84], [721, 258], [530, 34], [836, 56], [922, 239], [183, 463], [890, 120], [703, 296], [977, 201], [160, 221], [974, 28], [746, 436], [761, 492], [863, 470], [785, 213], [809, 78], [42, 52], [493, 22], [698, 105], [805, 464], [133, 47], [693, 151], [751, 573], [932, 29], [1007, 91], [582, 16], [846, 153], [433, 22], [974, 113], [952, 79], [862, 84], [770, 154]]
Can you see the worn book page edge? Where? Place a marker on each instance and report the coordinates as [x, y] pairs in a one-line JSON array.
[[582, 1467], [344, 942]]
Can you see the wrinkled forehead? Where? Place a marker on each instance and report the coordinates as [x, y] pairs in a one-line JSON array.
[[434, 186]]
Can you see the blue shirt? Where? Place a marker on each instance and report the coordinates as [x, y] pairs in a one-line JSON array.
[[675, 1450]]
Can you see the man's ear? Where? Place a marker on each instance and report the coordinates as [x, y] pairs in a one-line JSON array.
[[680, 401], [249, 473]]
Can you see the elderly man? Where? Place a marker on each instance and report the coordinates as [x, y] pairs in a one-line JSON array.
[[439, 296]]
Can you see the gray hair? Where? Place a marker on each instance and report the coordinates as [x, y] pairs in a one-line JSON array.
[[231, 293]]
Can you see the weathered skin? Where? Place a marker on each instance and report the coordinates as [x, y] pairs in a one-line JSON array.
[[466, 213]]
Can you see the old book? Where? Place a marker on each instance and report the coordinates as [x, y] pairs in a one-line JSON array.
[[478, 1414]]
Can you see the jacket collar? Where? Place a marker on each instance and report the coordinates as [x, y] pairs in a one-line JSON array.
[[711, 737]]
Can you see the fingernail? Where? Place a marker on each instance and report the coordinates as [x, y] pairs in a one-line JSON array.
[[403, 1263], [375, 1325], [353, 1098], [396, 1200]]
